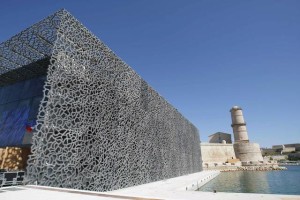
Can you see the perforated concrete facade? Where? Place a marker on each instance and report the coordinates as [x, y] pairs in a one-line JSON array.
[[100, 126]]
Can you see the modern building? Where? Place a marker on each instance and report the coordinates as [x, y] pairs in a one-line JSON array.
[[89, 120]]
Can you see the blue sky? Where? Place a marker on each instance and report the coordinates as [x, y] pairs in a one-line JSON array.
[[203, 56]]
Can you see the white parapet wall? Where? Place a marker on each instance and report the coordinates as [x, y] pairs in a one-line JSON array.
[[196, 184]]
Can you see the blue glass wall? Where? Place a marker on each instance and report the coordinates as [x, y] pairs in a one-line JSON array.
[[19, 104]]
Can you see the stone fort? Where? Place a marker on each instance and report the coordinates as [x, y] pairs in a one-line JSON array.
[[220, 152]]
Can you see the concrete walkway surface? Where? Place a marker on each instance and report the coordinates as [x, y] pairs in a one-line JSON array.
[[176, 188]]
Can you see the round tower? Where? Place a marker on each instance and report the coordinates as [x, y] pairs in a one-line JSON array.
[[244, 150], [238, 125]]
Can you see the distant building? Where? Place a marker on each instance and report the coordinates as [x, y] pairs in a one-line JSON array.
[[286, 148], [219, 137], [268, 152], [294, 156], [278, 147], [296, 145]]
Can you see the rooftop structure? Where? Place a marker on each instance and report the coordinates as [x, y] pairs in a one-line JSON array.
[[220, 137]]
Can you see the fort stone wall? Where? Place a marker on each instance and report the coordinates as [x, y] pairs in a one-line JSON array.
[[248, 152], [217, 155]]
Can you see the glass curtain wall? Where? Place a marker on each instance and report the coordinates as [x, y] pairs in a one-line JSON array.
[[19, 104]]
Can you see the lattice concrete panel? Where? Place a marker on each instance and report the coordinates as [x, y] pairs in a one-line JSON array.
[[100, 126], [25, 55]]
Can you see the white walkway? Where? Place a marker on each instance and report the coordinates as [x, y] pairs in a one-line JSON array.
[[185, 183], [175, 188]]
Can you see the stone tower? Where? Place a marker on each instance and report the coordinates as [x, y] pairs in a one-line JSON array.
[[244, 150], [238, 125]]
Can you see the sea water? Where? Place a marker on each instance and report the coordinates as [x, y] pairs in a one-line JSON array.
[[266, 182]]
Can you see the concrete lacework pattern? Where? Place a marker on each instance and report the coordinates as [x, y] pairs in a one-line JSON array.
[[25, 55], [100, 126]]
